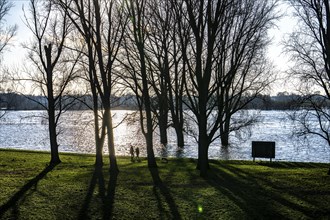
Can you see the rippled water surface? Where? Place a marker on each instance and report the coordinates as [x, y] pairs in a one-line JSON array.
[[28, 130]]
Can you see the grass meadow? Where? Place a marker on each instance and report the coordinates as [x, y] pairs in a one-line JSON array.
[[75, 189]]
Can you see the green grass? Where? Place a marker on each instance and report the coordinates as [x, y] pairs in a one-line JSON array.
[[234, 189]]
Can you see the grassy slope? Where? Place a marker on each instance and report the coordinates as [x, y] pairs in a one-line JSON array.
[[234, 190]]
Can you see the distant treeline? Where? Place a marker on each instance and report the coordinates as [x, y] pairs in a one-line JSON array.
[[14, 101], [284, 101]]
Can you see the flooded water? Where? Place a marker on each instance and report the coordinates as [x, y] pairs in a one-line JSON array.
[[29, 130]]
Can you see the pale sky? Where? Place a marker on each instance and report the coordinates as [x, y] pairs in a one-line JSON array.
[[16, 55], [285, 26], [16, 16]]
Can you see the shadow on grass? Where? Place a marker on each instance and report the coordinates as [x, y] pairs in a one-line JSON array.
[[258, 197], [107, 196], [14, 200], [165, 192], [292, 165]]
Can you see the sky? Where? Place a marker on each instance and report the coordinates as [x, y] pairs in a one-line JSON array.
[[16, 55]]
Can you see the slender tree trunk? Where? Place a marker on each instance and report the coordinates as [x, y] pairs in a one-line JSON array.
[[149, 135], [107, 123], [163, 121], [98, 140], [99, 152], [179, 133], [55, 159], [111, 143], [147, 105], [163, 108], [177, 118], [137, 23]]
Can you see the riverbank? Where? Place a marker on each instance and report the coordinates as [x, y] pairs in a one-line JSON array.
[[234, 190]]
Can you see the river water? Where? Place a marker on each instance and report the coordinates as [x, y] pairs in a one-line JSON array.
[[28, 130]]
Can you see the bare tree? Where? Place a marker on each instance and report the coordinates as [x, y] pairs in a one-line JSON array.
[[101, 24], [242, 70], [136, 41], [224, 65], [6, 34], [158, 19], [309, 46], [164, 57], [54, 68], [164, 68]]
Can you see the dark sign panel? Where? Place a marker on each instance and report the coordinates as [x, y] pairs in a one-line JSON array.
[[263, 149]]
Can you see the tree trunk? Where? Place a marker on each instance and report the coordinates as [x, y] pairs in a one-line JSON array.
[[147, 105], [99, 154], [55, 159], [204, 165], [177, 123], [178, 126], [149, 136], [224, 132], [179, 133], [203, 143], [163, 110], [139, 41], [203, 161], [163, 121], [98, 140], [224, 136], [177, 118], [111, 143], [179, 137]]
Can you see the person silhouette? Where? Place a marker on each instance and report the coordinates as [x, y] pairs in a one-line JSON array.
[[132, 153], [137, 152]]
